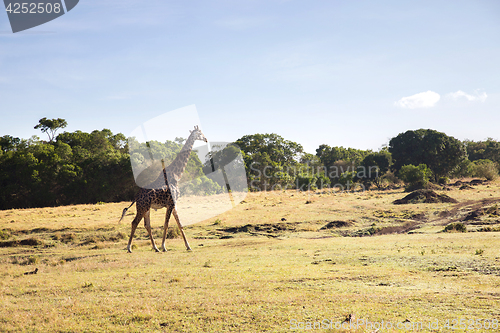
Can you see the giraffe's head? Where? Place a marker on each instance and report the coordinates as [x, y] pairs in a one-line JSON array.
[[198, 135]]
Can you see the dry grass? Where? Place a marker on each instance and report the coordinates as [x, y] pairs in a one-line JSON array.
[[261, 278]]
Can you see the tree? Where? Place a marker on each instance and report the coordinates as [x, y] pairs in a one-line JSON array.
[[227, 160], [8, 142], [440, 152], [75, 168], [374, 166], [338, 160], [50, 126], [329, 155], [270, 160], [483, 150]]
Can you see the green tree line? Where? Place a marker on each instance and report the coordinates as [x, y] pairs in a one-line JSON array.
[[74, 168], [79, 167]]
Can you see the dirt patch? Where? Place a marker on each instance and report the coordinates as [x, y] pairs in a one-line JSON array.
[[336, 224], [269, 228], [456, 214], [374, 230], [492, 211], [419, 217], [424, 196], [23, 242], [466, 185], [403, 229], [473, 215]]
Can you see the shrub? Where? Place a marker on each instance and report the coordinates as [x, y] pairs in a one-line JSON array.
[[485, 169], [173, 232], [391, 178], [322, 181], [33, 260], [348, 178], [67, 238], [443, 180], [463, 169], [306, 181], [455, 227], [201, 186], [4, 234], [415, 176]]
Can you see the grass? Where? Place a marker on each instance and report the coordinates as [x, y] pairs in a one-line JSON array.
[[267, 277]]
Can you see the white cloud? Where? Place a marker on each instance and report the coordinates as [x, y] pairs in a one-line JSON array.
[[421, 100], [476, 97]]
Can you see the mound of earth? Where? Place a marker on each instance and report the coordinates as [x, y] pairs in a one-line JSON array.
[[491, 211], [267, 227], [336, 224], [473, 215], [473, 182], [424, 196], [28, 242]]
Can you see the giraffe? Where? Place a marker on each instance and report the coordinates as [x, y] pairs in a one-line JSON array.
[[163, 193]]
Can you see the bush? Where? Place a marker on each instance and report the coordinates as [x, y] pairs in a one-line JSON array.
[[415, 176], [485, 169], [173, 232], [306, 181], [310, 181], [348, 179], [4, 234], [391, 178], [455, 227], [443, 180], [32, 260], [463, 169], [201, 186]]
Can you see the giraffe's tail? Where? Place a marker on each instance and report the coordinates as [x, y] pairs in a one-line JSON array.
[[125, 211]]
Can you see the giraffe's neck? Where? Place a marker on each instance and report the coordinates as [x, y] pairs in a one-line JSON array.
[[177, 167]]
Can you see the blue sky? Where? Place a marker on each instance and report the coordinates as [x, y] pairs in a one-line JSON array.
[[342, 73]]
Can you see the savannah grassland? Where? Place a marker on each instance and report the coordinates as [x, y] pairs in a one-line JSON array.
[[249, 271]]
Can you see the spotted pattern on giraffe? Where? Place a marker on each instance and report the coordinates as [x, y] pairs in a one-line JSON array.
[[164, 193]]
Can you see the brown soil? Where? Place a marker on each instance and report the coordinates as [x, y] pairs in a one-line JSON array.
[[424, 196], [471, 205], [466, 185], [28, 242], [336, 224], [261, 228]]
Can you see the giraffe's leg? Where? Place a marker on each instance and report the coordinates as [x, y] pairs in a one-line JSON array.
[[180, 228], [165, 227], [147, 225], [135, 223]]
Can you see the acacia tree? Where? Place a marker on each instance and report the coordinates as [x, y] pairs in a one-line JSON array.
[[50, 126], [440, 152]]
